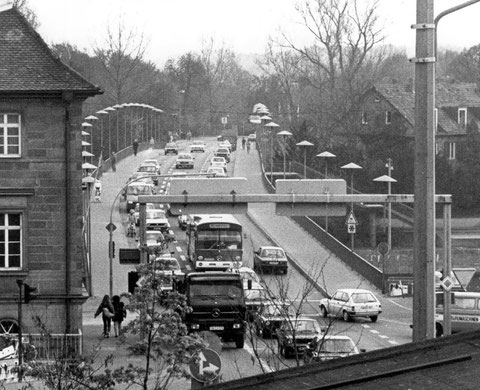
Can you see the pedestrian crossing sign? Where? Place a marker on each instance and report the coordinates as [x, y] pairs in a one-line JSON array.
[[351, 220]]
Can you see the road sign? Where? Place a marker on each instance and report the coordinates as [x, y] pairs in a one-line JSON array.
[[383, 248], [111, 227], [224, 120], [447, 283], [352, 228], [351, 220], [207, 366]]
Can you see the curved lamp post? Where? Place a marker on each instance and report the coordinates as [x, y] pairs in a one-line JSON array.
[[270, 126], [352, 167], [284, 134], [304, 144], [326, 155]]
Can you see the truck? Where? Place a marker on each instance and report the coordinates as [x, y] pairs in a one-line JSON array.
[[218, 305]]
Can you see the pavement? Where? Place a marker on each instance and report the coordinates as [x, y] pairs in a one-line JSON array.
[[308, 255]]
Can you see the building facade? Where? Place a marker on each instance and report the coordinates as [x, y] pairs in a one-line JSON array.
[[41, 240]]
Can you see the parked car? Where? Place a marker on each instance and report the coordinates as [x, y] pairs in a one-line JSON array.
[[252, 137], [294, 334], [270, 316], [223, 152], [328, 347], [171, 147], [167, 269], [349, 303], [216, 172], [136, 213], [154, 241], [184, 160], [219, 161], [271, 258], [197, 146], [135, 189], [157, 220], [255, 297], [226, 144], [150, 170]]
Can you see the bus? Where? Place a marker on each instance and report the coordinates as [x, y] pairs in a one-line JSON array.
[[214, 242]]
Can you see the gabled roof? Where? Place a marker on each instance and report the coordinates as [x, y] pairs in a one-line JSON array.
[[447, 95], [27, 65]]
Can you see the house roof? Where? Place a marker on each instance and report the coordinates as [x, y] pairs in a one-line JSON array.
[[27, 64], [446, 363], [447, 95]]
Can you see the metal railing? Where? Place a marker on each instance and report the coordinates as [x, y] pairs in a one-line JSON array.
[[56, 346]]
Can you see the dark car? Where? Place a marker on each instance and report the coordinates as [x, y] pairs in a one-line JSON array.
[[294, 334], [271, 258], [171, 147], [270, 316]]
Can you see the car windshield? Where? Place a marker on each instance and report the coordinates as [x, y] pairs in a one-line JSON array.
[[171, 145], [185, 157], [306, 326], [197, 143], [218, 160], [336, 346], [272, 253], [166, 264], [222, 151], [153, 236], [256, 294], [156, 214], [363, 298], [139, 190], [246, 275], [279, 310], [147, 168]]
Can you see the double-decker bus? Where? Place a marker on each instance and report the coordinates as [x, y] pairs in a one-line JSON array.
[[214, 242]]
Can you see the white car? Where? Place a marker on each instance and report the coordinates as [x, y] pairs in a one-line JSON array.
[[226, 144], [157, 220], [197, 146], [327, 347], [152, 161], [252, 137], [219, 161], [167, 269], [349, 303], [153, 240], [184, 160], [223, 152], [216, 172]]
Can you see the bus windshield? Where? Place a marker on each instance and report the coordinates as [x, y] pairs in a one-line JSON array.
[[219, 239]]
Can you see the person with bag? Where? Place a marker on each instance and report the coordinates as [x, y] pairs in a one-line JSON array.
[[107, 311], [119, 314]]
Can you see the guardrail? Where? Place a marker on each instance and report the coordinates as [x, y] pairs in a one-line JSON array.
[[55, 346]]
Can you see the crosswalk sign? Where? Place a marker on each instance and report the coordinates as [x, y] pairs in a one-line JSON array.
[[351, 220]]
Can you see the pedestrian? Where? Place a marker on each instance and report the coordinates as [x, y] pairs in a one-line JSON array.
[[152, 143], [131, 224], [248, 146], [98, 191], [106, 309], [135, 146], [113, 161], [243, 142], [120, 314]]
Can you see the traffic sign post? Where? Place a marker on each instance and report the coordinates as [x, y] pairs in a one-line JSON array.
[[351, 223], [206, 368], [383, 249]]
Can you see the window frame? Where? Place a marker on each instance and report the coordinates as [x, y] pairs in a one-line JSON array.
[[364, 118], [21, 243], [459, 117], [388, 117], [4, 126], [435, 118], [452, 155]]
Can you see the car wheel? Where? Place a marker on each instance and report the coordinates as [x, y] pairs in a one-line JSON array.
[[346, 316], [240, 341], [324, 312], [374, 318]]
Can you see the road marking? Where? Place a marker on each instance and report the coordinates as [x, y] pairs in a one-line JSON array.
[[366, 326], [383, 336], [374, 331], [188, 267], [264, 364], [393, 342], [183, 258], [403, 307], [395, 322], [179, 249]]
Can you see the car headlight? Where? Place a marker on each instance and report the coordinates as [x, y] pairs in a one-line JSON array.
[[237, 258], [237, 326], [195, 326], [200, 258]]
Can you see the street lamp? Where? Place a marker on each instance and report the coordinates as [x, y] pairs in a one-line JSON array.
[[304, 144], [116, 107], [326, 156], [284, 134], [109, 109], [101, 112], [271, 126], [352, 167]]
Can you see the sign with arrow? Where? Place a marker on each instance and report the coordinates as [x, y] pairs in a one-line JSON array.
[[207, 366]]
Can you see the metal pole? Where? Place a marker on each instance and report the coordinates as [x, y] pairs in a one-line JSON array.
[[424, 188], [20, 335], [284, 157], [389, 232], [447, 268], [271, 157], [352, 239], [304, 162]]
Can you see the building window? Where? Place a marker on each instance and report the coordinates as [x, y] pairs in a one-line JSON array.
[[388, 117], [364, 118], [462, 117], [10, 135], [437, 148], [451, 150], [435, 118], [10, 240]]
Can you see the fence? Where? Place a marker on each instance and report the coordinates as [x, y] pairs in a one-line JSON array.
[[54, 346]]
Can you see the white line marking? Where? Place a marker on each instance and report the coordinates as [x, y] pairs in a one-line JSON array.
[[393, 342], [403, 307], [366, 326], [179, 249], [183, 257], [264, 364], [382, 336], [188, 267], [374, 331]]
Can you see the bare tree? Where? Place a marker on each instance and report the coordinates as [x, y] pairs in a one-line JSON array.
[[25, 10], [121, 59]]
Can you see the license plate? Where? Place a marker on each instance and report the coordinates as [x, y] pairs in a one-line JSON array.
[[274, 262], [216, 328]]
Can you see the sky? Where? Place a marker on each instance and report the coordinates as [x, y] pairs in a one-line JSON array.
[[174, 27]]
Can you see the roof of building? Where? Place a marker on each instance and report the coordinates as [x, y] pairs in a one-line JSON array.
[[27, 64], [445, 363]]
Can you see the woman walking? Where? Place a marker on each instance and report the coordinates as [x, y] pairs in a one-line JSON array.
[[107, 311], [120, 314]]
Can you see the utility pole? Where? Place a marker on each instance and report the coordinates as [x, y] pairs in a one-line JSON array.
[[389, 166], [424, 206]]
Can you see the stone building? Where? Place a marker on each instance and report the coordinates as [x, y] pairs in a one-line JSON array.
[[41, 241]]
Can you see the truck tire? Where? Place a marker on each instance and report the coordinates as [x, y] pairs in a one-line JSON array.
[[240, 341]]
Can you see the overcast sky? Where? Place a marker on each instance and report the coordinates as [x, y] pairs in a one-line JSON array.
[[174, 27]]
